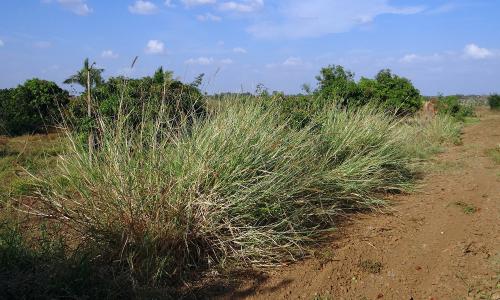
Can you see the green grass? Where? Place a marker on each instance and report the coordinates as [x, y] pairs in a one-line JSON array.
[[239, 188], [36, 264], [467, 208], [425, 138], [21, 157], [494, 154]]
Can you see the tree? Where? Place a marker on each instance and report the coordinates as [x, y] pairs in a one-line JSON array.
[[336, 83], [87, 70], [161, 77], [198, 80], [31, 107], [494, 101], [391, 91]]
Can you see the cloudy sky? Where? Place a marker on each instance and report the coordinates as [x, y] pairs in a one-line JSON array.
[[442, 46]]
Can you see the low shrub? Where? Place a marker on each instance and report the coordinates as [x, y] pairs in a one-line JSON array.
[[450, 105], [392, 92], [494, 101]]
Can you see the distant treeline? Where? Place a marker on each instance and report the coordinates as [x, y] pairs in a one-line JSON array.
[[38, 105]]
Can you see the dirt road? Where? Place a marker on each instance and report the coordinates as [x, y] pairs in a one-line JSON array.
[[443, 242]]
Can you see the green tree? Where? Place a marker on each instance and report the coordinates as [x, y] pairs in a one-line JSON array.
[[80, 77], [494, 101], [31, 107], [391, 91], [336, 83]]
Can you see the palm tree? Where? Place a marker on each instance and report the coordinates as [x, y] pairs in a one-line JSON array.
[[88, 77], [80, 77]]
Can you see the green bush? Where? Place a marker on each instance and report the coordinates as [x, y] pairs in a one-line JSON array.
[[182, 101], [494, 101], [338, 85], [31, 107], [450, 105], [392, 92]]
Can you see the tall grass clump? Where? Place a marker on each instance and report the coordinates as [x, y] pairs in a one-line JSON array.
[[239, 187], [425, 137], [364, 152]]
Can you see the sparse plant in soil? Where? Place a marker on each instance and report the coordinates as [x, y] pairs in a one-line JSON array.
[[467, 208], [371, 266]]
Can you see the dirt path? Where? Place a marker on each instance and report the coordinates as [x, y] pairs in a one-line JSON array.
[[440, 243]]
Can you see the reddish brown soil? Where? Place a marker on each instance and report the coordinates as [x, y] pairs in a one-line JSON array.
[[442, 242]]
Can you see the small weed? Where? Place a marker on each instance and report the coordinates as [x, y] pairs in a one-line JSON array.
[[468, 209], [322, 297], [471, 120], [370, 266], [494, 154], [324, 256]]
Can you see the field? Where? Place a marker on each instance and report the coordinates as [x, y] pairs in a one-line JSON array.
[[170, 211]]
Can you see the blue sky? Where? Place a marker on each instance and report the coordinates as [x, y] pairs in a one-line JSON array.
[[442, 46]]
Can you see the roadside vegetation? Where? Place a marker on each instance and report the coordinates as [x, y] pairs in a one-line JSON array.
[[494, 101], [173, 184]]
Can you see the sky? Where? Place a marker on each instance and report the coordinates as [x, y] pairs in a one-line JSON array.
[[441, 46]]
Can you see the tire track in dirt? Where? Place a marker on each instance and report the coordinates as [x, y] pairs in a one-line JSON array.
[[442, 242]]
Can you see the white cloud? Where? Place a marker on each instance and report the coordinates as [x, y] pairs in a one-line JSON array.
[[190, 3], [78, 7], [239, 50], [141, 7], [475, 52], [168, 3], [109, 54], [200, 61], [208, 17], [314, 18], [415, 58], [2, 43], [291, 62], [244, 6], [42, 44], [205, 61], [155, 47]]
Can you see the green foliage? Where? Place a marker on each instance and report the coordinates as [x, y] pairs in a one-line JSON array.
[[387, 90], [239, 186], [392, 92], [450, 105], [337, 84], [424, 138], [31, 107], [82, 76], [494, 154], [494, 101], [181, 101]]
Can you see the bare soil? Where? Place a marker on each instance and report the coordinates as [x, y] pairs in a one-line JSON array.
[[442, 242]]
